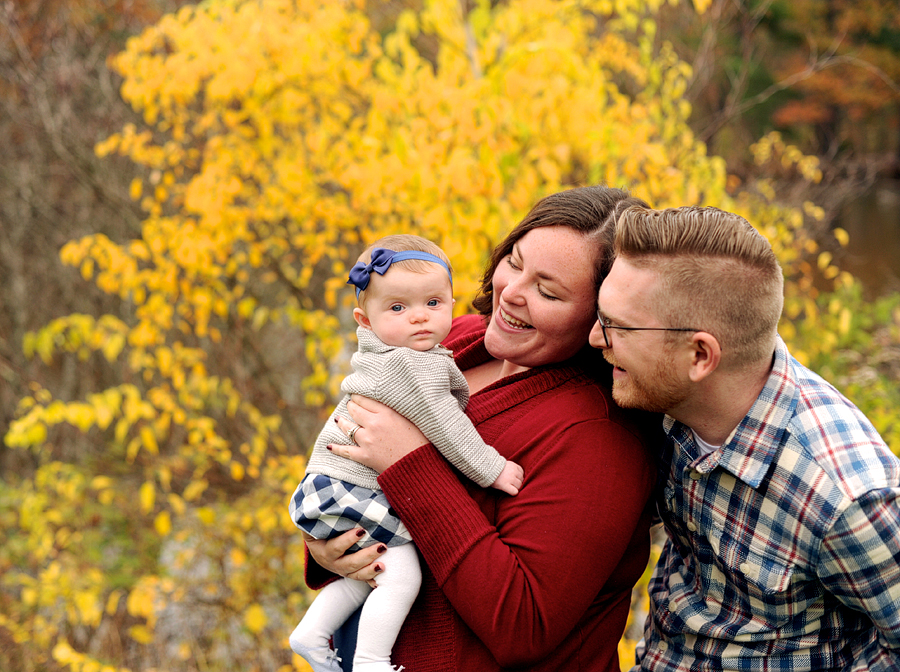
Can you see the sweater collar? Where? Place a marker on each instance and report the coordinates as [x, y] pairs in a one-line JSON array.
[[369, 342]]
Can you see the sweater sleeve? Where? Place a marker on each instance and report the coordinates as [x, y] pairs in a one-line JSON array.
[[523, 584]]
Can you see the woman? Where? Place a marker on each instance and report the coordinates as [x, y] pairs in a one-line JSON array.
[[542, 580]]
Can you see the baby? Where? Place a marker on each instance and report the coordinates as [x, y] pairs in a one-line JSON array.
[[405, 302]]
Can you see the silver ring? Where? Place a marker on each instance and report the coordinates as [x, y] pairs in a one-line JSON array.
[[352, 433]]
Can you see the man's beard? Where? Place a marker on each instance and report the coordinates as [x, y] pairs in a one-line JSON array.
[[659, 391]]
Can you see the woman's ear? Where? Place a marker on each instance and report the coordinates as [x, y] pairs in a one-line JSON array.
[[361, 319], [705, 357]]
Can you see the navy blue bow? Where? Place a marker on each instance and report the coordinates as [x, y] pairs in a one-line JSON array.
[[361, 273], [381, 261]]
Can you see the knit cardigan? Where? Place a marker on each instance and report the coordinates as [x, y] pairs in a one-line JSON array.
[[540, 581], [425, 387]]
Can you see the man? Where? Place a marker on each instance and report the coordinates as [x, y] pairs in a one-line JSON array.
[[781, 502]]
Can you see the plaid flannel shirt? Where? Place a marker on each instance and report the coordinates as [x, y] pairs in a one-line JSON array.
[[783, 549]]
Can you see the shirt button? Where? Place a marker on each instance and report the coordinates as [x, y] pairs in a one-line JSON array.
[[745, 568], [692, 526], [695, 475], [672, 606], [663, 646]]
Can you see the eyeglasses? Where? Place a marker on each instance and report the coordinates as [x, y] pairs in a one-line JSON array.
[[603, 327]]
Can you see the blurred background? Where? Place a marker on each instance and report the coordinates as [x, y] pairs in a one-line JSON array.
[[183, 187]]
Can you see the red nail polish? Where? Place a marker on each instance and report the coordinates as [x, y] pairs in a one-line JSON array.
[[360, 533], [381, 549], [329, 447], [378, 569]]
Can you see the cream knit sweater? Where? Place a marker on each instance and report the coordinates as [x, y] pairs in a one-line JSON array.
[[425, 387]]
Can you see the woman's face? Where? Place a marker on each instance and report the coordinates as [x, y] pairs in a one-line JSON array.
[[544, 301]]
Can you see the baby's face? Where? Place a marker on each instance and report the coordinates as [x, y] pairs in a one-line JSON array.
[[407, 309]]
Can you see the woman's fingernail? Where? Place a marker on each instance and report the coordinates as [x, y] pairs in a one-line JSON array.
[[329, 447], [360, 533], [335, 419], [379, 569], [381, 549]]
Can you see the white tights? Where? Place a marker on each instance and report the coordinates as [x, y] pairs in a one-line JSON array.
[[382, 615]]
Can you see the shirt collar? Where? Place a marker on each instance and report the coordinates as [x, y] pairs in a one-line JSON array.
[[749, 450]]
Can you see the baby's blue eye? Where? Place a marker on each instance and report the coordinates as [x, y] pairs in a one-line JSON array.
[[432, 303], [397, 308]]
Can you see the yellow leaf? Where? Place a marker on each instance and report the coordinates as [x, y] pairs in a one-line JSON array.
[[194, 489], [63, 653], [238, 557], [112, 346], [88, 606], [112, 602], [177, 504], [842, 236], [165, 477], [136, 188], [164, 360], [147, 497], [87, 269], [140, 601], [206, 515], [163, 523], [122, 427], [140, 634], [131, 450], [845, 321], [81, 415], [101, 482], [149, 439], [104, 415], [255, 618]]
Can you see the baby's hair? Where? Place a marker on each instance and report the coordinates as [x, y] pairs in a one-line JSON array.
[[404, 242]]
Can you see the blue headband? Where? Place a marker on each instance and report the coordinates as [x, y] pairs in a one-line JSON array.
[[381, 262]]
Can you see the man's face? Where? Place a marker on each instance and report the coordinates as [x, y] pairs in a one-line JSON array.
[[647, 372]]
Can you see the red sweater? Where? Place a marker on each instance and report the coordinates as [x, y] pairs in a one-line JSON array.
[[539, 581]]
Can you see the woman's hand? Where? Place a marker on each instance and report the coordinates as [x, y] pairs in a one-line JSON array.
[[383, 435], [361, 566]]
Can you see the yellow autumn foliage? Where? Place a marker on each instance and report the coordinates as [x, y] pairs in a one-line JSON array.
[[278, 139]]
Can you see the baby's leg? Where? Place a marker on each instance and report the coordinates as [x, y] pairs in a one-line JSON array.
[[333, 605], [386, 609]]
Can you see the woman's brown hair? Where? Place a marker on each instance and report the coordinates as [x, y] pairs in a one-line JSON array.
[[591, 211]]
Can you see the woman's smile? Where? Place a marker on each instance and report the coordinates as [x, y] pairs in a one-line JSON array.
[[513, 322]]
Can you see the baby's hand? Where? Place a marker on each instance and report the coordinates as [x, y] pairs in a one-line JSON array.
[[510, 479]]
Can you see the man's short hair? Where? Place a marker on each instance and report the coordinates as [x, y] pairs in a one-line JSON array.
[[717, 273]]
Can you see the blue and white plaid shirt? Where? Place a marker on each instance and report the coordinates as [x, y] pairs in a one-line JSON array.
[[783, 548]]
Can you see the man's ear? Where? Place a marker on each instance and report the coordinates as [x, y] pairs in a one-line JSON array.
[[706, 355], [361, 319]]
